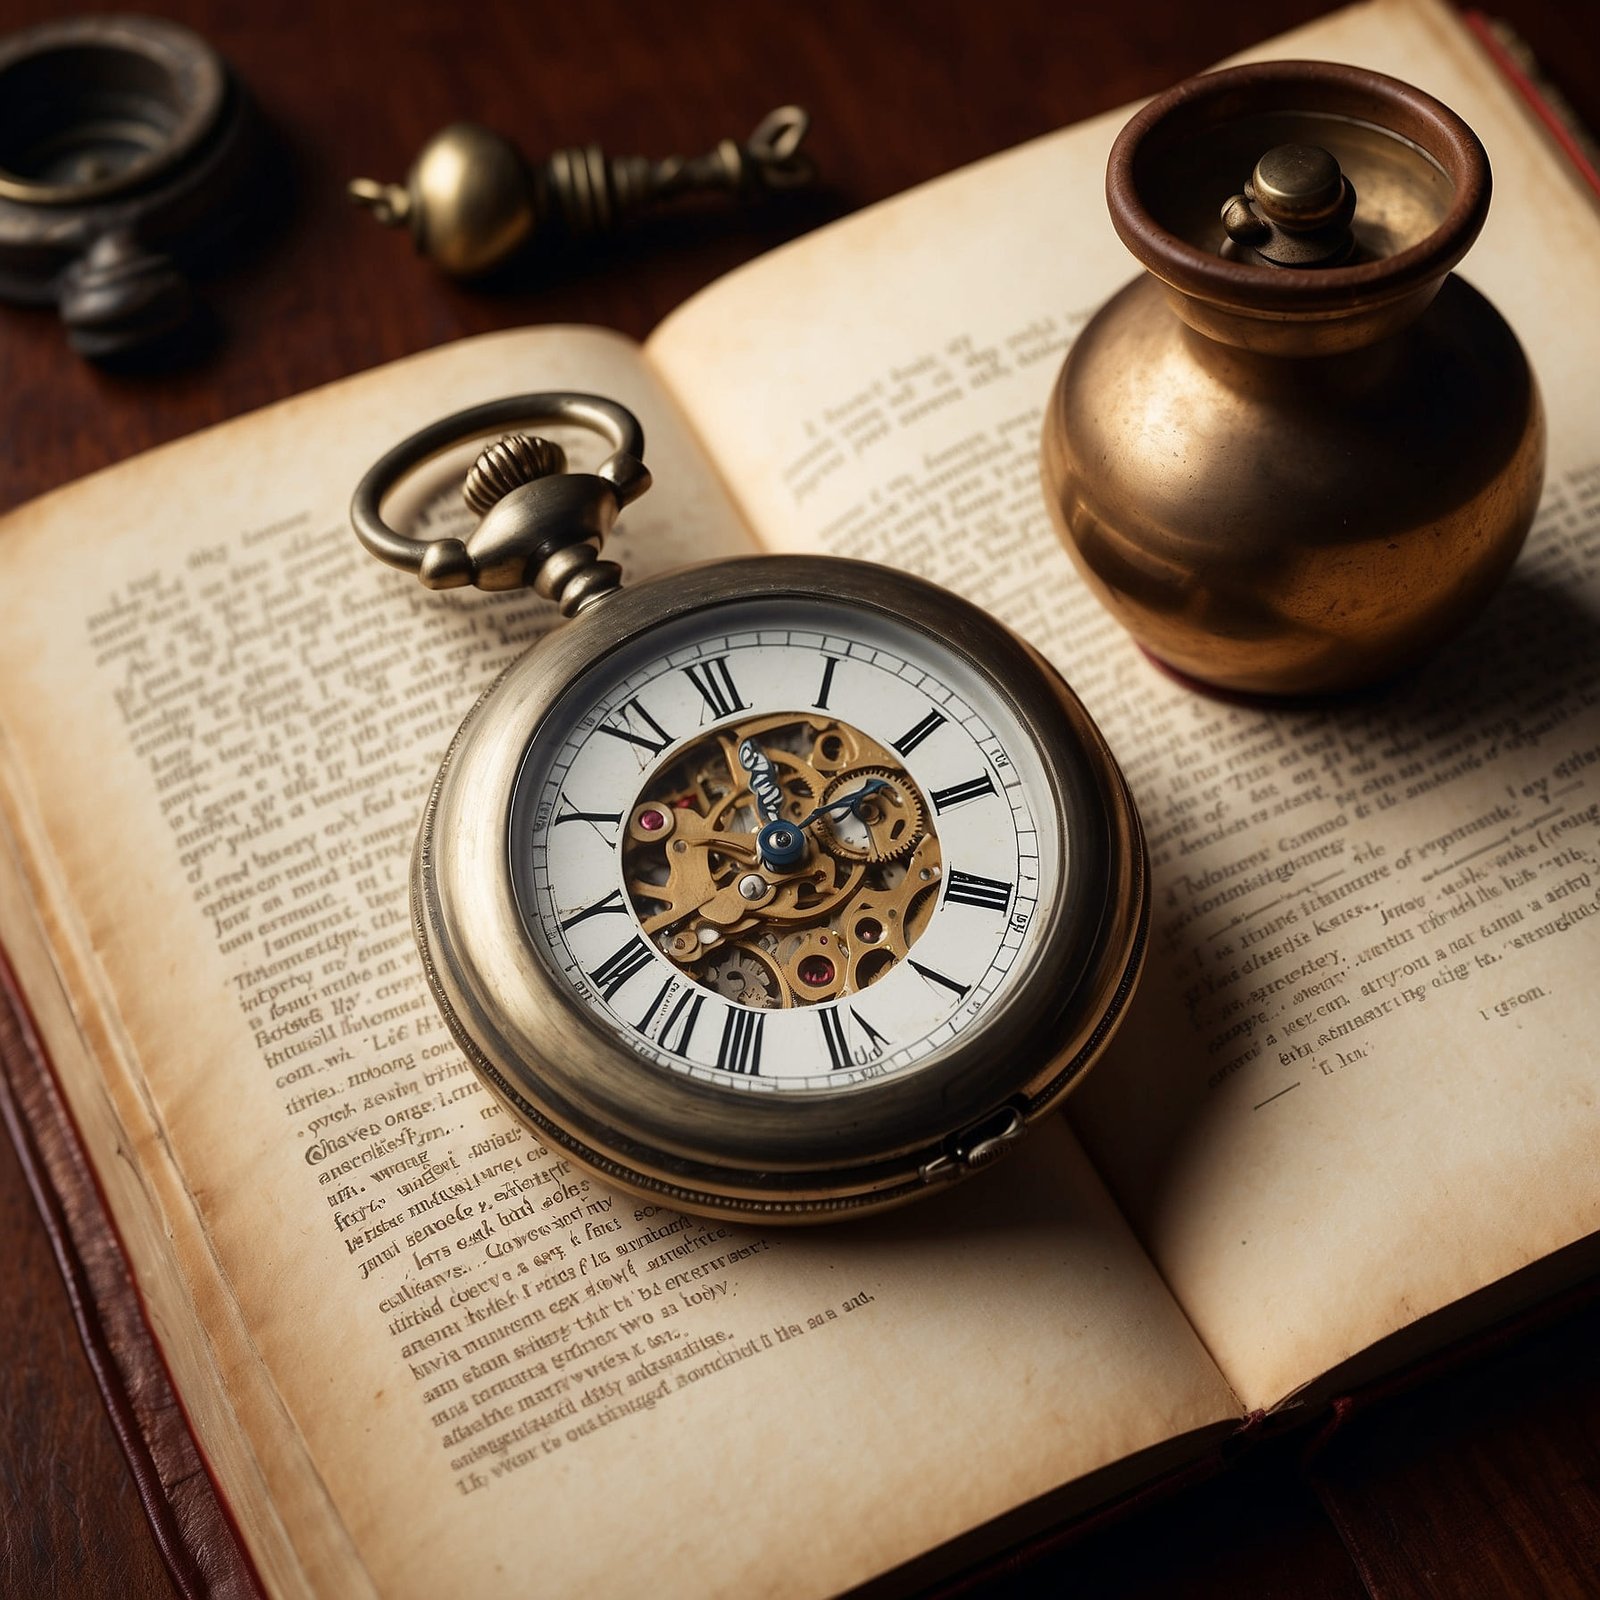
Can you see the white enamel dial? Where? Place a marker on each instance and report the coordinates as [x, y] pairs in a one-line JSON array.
[[922, 843]]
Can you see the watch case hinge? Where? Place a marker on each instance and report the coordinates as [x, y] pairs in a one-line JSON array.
[[975, 1146]]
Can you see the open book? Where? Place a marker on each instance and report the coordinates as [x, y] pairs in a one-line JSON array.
[[1351, 1114]]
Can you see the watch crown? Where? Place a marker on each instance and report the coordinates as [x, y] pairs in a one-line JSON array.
[[506, 464]]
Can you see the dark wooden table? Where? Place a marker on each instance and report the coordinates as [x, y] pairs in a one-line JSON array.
[[1482, 1481]]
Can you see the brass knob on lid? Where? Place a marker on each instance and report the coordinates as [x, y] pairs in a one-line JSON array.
[[1295, 211], [1299, 186]]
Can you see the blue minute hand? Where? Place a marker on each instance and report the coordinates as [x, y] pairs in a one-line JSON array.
[[845, 802]]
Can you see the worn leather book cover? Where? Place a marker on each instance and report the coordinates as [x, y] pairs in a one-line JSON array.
[[188, 1521]]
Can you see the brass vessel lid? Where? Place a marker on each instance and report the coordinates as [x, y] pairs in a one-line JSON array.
[[1421, 175]]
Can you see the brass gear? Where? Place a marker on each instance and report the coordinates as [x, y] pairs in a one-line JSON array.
[[884, 828], [748, 977], [691, 840]]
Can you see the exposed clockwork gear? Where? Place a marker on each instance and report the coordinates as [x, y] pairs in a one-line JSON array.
[[746, 976], [884, 824], [836, 914]]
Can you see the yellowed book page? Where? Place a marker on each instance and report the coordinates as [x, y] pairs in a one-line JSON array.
[[1359, 1082], [423, 1352]]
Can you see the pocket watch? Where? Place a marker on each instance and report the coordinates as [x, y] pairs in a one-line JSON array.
[[780, 888]]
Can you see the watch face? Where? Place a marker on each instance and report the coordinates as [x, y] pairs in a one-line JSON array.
[[785, 845]]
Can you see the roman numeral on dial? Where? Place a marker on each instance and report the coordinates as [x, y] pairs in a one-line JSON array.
[[959, 793], [682, 1017], [837, 1041], [656, 1004], [632, 722], [968, 889], [740, 1050], [821, 702], [612, 902], [622, 964], [878, 1040], [833, 1037], [912, 737], [716, 686], [597, 819]]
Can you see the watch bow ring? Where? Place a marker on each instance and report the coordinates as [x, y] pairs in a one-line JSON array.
[[542, 509]]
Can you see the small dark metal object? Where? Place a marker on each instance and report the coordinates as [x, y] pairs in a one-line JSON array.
[[472, 201], [121, 139]]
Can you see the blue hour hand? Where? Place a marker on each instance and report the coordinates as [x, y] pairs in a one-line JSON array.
[[764, 781], [783, 844]]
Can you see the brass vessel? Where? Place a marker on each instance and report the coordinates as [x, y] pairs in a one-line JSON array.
[[1299, 452]]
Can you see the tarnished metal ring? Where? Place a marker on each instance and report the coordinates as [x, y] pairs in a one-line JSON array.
[[624, 468]]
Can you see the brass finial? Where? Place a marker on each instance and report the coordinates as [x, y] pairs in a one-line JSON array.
[[516, 459], [1295, 211], [472, 201]]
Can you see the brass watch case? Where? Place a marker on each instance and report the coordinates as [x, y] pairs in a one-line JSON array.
[[814, 1154]]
